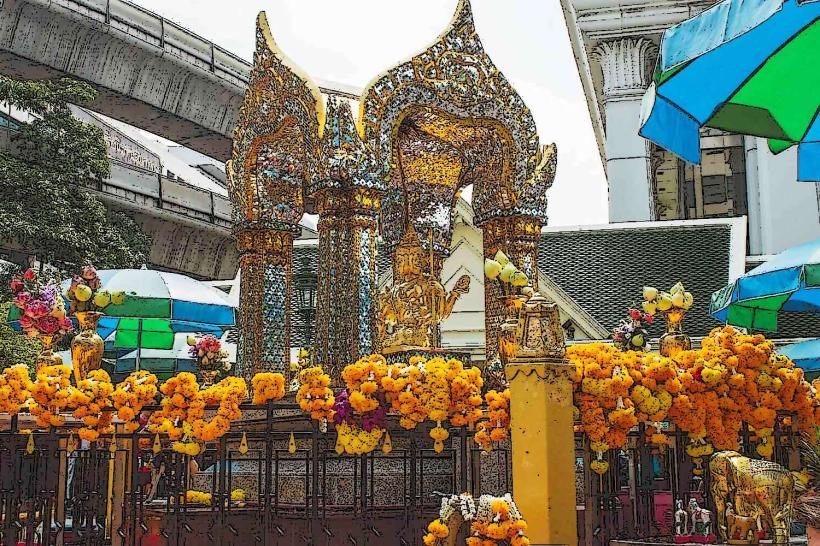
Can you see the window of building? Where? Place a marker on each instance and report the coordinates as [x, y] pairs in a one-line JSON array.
[[714, 189]]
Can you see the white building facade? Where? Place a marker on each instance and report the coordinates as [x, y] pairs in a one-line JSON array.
[[615, 43]]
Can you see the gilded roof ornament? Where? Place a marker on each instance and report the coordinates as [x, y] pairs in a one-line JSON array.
[[277, 140], [454, 92], [349, 161]]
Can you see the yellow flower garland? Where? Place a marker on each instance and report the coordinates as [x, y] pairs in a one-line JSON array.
[[314, 395], [496, 428], [91, 398], [135, 392], [354, 440], [229, 394], [50, 393], [181, 403], [708, 393], [433, 389], [15, 389], [267, 387]]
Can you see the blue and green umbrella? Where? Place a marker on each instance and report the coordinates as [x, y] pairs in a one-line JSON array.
[[790, 281], [743, 66], [806, 355], [159, 304]]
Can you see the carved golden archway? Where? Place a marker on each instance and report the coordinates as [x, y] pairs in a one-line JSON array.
[[277, 151], [448, 118]]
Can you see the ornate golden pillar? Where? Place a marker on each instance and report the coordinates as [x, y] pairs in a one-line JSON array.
[[347, 291], [543, 444], [348, 201], [517, 237], [264, 308], [276, 153]]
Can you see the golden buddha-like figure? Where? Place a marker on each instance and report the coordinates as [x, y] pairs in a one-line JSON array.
[[411, 309]]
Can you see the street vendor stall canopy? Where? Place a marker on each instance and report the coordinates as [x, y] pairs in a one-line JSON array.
[[743, 66]]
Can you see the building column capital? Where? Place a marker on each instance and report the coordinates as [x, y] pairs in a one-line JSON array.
[[626, 64]]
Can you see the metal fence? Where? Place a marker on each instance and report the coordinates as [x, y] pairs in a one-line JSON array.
[[129, 494], [635, 499]]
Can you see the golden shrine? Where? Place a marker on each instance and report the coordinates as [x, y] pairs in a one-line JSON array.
[[428, 127], [445, 119]]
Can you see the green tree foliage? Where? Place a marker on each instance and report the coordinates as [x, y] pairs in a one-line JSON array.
[[44, 209], [15, 348]]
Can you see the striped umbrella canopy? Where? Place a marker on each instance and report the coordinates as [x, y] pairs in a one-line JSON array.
[[166, 362], [743, 66], [157, 305], [806, 355], [790, 281]]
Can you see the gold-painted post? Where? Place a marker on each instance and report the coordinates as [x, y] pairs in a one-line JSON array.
[[543, 444]]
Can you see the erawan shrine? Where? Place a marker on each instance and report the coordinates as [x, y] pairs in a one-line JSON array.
[[381, 434]]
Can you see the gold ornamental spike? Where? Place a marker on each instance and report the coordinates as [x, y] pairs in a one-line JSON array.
[[243, 445], [112, 447], [387, 445], [438, 446], [157, 447], [30, 444], [71, 444], [292, 444]]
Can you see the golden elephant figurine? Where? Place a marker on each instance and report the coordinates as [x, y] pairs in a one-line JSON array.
[[755, 488]]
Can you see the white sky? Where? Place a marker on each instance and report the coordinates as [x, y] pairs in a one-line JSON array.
[[352, 41]]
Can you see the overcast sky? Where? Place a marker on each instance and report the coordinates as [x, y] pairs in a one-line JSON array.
[[351, 41]]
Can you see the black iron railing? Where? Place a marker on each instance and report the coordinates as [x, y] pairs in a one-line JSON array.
[[132, 495]]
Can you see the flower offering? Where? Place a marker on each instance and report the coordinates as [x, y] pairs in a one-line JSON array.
[[211, 358], [139, 389], [314, 395], [267, 387], [42, 311], [91, 398], [15, 389], [85, 294]]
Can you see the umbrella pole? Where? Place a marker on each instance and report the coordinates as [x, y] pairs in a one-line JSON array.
[[139, 345]]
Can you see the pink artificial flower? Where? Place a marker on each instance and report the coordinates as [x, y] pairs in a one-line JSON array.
[[21, 299], [634, 314], [649, 319], [26, 322], [29, 275], [17, 285], [88, 272], [66, 325], [37, 309], [48, 324]]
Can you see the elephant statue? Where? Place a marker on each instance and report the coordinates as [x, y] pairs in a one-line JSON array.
[[755, 488], [741, 529]]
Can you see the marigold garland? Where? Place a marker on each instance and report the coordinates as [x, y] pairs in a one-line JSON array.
[[493, 521], [403, 386], [708, 393], [136, 391], [363, 380], [497, 521], [267, 387], [355, 440], [50, 394], [181, 403], [229, 394], [434, 389], [496, 428], [360, 411], [15, 389], [91, 398], [314, 395]]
